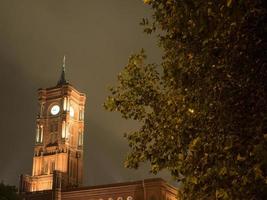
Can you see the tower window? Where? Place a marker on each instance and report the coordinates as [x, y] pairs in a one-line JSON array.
[[65, 104], [80, 139], [39, 134], [68, 131], [63, 134], [71, 111], [81, 115]]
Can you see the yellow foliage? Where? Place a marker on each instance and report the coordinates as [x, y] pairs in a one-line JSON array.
[[147, 1]]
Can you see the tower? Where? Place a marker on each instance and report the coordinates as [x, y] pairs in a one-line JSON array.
[[59, 138]]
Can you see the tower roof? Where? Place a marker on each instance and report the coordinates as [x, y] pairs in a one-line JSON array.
[[62, 80]]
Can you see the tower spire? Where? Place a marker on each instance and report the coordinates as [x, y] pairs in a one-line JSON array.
[[62, 79]]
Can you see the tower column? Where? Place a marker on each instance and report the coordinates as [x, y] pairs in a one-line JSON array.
[[57, 139]]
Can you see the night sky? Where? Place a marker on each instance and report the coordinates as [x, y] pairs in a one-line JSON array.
[[97, 38]]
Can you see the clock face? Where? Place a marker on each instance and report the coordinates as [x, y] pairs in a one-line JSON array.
[[55, 110], [71, 111]]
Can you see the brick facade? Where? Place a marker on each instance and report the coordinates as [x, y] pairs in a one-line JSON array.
[[58, 155], [148, 189]]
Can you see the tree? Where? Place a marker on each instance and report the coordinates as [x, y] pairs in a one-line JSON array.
[[8, 192], [203, 110]]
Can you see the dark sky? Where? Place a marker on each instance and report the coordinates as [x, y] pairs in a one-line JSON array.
[[97, 37]]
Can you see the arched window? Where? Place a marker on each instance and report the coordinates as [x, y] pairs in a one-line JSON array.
[[80, 138], [42, 134], [63, 134], [37, 134], [65, 104], [68, 130], [81, 114]]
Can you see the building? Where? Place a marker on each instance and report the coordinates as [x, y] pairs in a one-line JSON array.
[[57, 170]]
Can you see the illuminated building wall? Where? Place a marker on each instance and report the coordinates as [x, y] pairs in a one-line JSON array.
[[59, 138]]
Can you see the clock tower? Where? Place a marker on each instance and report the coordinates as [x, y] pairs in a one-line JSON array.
[[59, 134]]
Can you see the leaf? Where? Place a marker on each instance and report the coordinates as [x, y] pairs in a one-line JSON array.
[[240, 158], [147, 1], [258, 172], [221, 194], [193, 180], [194, 143], [229, 3], [223, 171]]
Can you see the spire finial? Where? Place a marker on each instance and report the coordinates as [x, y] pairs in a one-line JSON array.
[[62, 79], [64, 64]]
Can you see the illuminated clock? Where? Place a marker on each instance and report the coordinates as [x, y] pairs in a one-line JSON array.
[[55, 110], [71, 111]]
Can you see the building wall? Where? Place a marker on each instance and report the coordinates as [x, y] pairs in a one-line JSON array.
[[59, 138], [149, 189], [42, 195]]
